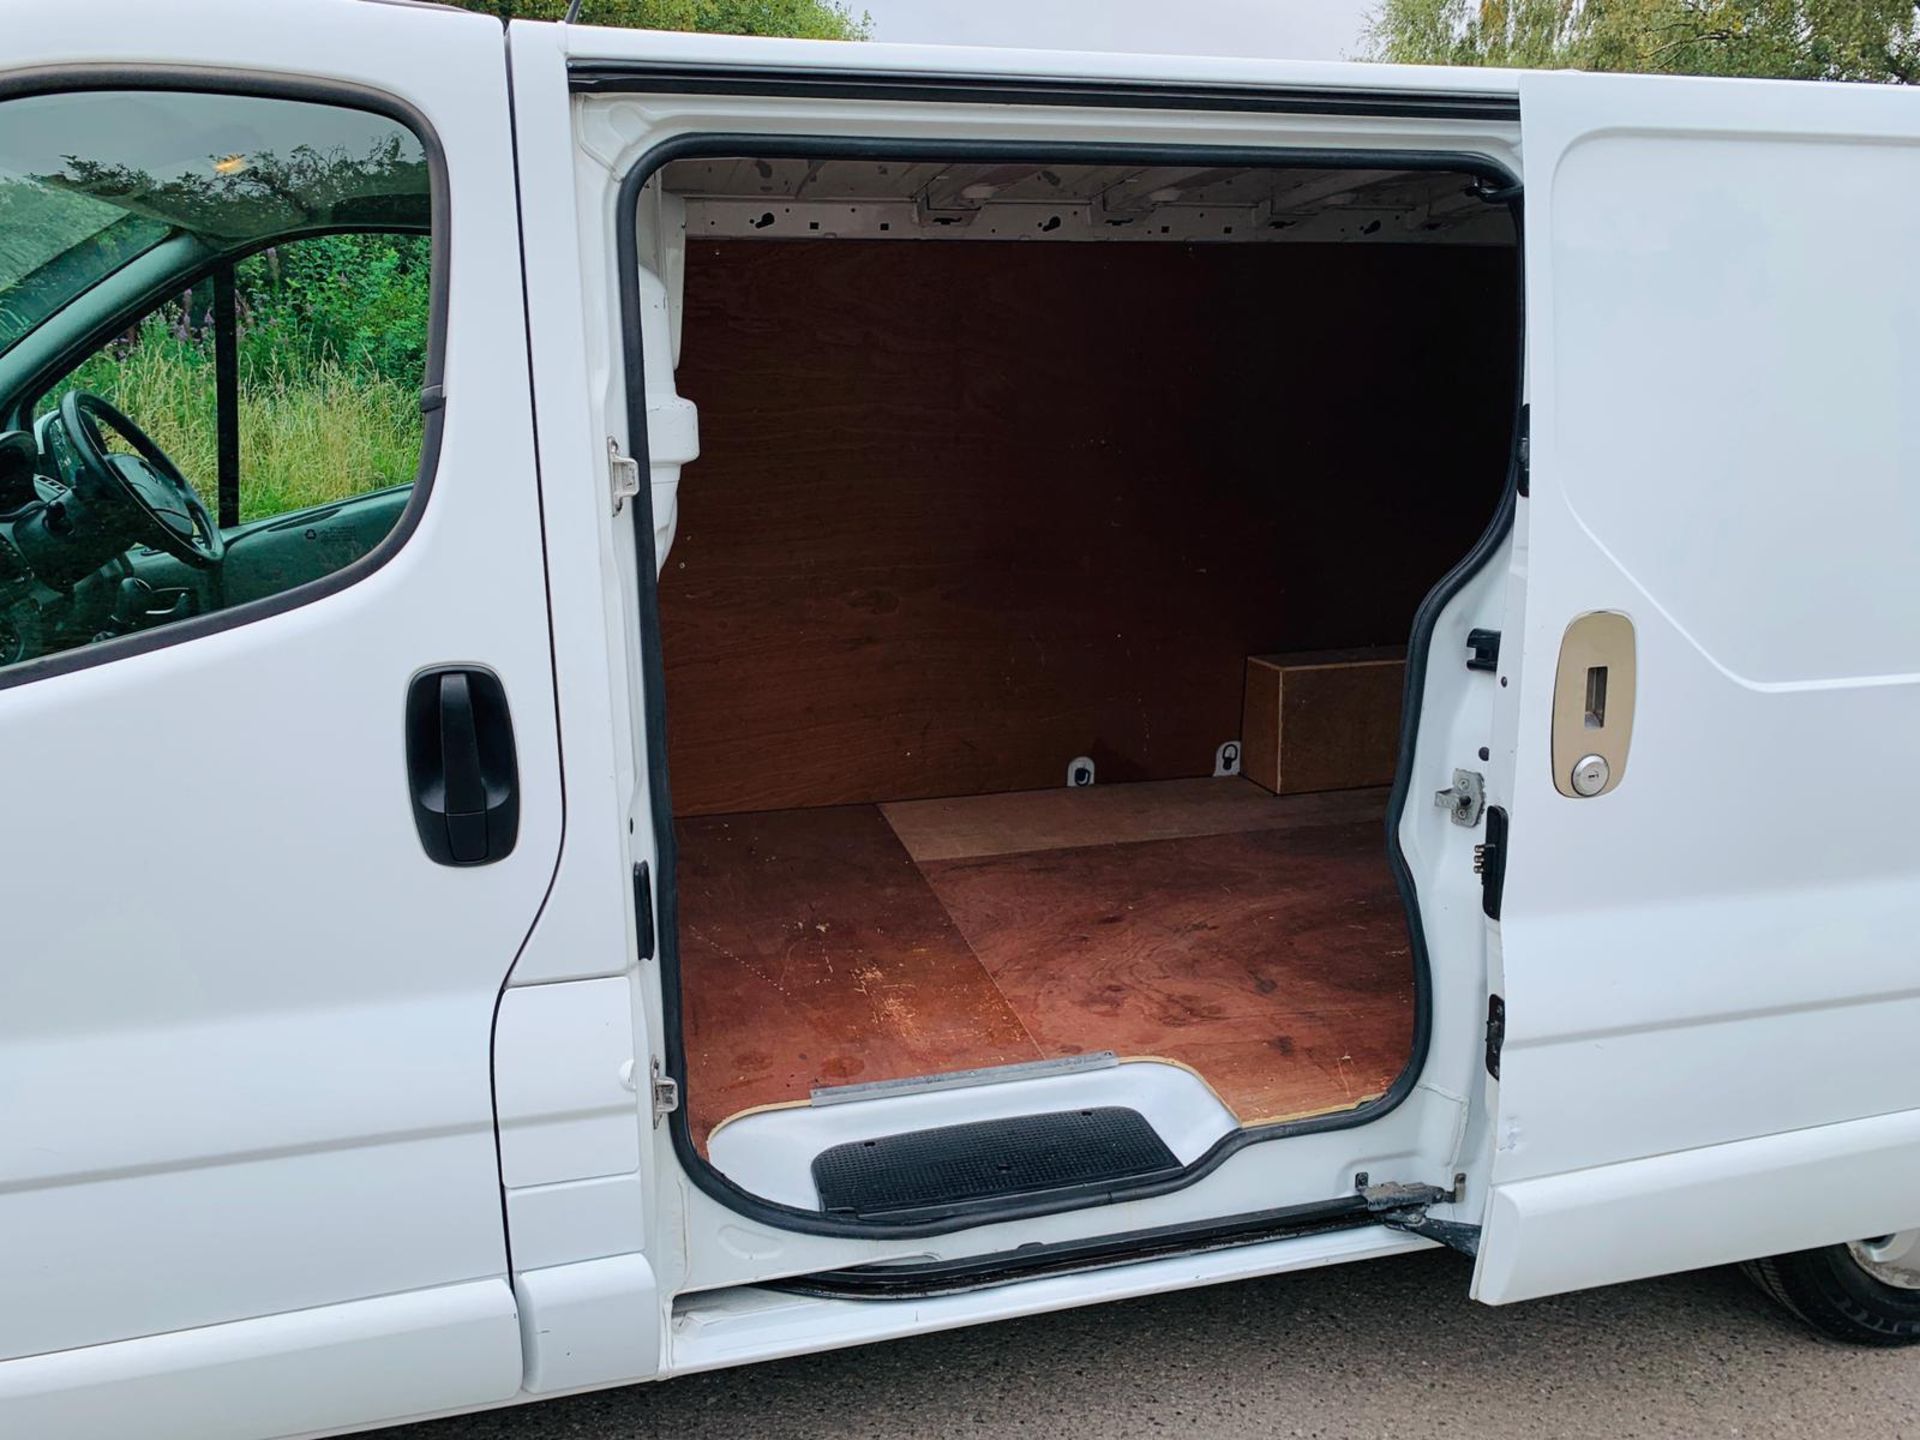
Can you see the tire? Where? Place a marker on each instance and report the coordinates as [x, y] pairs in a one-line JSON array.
[[1834, 1294]]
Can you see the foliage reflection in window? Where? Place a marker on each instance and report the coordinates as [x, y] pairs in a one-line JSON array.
[[332, 355]]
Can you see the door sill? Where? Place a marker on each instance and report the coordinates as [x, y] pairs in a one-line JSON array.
[[924, 1279], [742, 1325]]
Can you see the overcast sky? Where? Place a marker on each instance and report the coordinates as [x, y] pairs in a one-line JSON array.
[[1292, 29]]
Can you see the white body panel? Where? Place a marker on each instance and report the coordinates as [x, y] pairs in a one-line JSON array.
[[596, 1322], [1698, 1207], [334, 1368], [566, 1088], [245, 1023], [1722, 312], [581, 1211]]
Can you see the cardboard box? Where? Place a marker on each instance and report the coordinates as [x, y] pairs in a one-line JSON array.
[[1323, 721]]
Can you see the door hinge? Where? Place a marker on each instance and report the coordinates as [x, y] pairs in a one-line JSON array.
[[1496, 1033], [1465, 798], [1490, 863], [642, 912], [1485, 648], [666, 1094], [1400, 1205], [623, 473]]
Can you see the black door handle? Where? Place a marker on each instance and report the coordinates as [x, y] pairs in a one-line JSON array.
[[461, 767]]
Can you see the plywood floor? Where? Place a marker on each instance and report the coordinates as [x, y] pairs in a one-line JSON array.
[[1257, 939]]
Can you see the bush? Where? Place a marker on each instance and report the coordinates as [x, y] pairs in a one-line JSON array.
[[359, 301], [332, 356], [803, 19]]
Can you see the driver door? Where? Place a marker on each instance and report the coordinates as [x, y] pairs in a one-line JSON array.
[[248, 1175]]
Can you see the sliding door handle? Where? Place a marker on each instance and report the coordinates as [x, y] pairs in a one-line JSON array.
[[461, 767], [1593, 693]]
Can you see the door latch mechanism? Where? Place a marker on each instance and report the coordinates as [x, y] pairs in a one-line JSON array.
[[666, 1094], [1483, 650], [623, 471], [1465, 799]]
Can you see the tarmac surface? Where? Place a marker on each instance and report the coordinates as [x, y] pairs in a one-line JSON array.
[[1388, 1347]]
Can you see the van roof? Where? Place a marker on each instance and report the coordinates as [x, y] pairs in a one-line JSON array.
[[586, 45], [590, 45]]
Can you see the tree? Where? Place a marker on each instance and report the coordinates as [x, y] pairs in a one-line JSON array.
[[1876, 40], [802, 19]]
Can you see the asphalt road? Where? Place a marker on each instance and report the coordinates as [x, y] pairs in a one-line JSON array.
[[1383, 1348]]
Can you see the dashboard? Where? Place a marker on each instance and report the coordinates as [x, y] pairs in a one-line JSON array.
[[91, 553]]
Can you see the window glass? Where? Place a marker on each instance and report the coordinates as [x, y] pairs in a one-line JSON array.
[[92, 179], [331, 347], [264, 360]]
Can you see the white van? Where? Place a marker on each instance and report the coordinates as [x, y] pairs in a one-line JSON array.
[[981, 681]]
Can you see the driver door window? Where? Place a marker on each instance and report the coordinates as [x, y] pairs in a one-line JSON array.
[[247, 419], [330, 339]]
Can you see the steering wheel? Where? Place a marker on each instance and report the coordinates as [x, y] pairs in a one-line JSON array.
[[174, 516]]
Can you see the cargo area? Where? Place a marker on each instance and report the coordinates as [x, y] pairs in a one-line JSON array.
[[1035, 628]]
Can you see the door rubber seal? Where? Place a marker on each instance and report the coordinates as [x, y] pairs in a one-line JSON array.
[[697, 1168]]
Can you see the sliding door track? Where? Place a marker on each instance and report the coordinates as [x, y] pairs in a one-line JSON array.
[[924, 1280]]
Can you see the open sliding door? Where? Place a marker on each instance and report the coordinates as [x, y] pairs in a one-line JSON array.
[[1710, 982]]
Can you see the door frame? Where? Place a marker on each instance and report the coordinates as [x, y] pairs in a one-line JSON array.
[[779, 145]]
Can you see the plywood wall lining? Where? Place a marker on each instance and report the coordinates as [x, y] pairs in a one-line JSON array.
[[965, 511]]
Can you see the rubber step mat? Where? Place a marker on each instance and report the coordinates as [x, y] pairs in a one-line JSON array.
[[925, 1174]]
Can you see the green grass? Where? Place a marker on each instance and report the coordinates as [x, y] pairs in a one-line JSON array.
[[309, 434]]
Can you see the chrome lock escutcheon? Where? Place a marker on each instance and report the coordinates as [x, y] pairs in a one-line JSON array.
[[1593, 703], [1590, 775]]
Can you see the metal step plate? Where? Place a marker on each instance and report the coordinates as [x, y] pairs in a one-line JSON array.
[[929, 1173]]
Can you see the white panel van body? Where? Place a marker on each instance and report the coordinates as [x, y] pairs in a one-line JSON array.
[[388, 1029]]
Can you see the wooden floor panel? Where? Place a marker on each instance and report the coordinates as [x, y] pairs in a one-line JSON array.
[[1274, 961], [1057, 819], [813, 952]]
